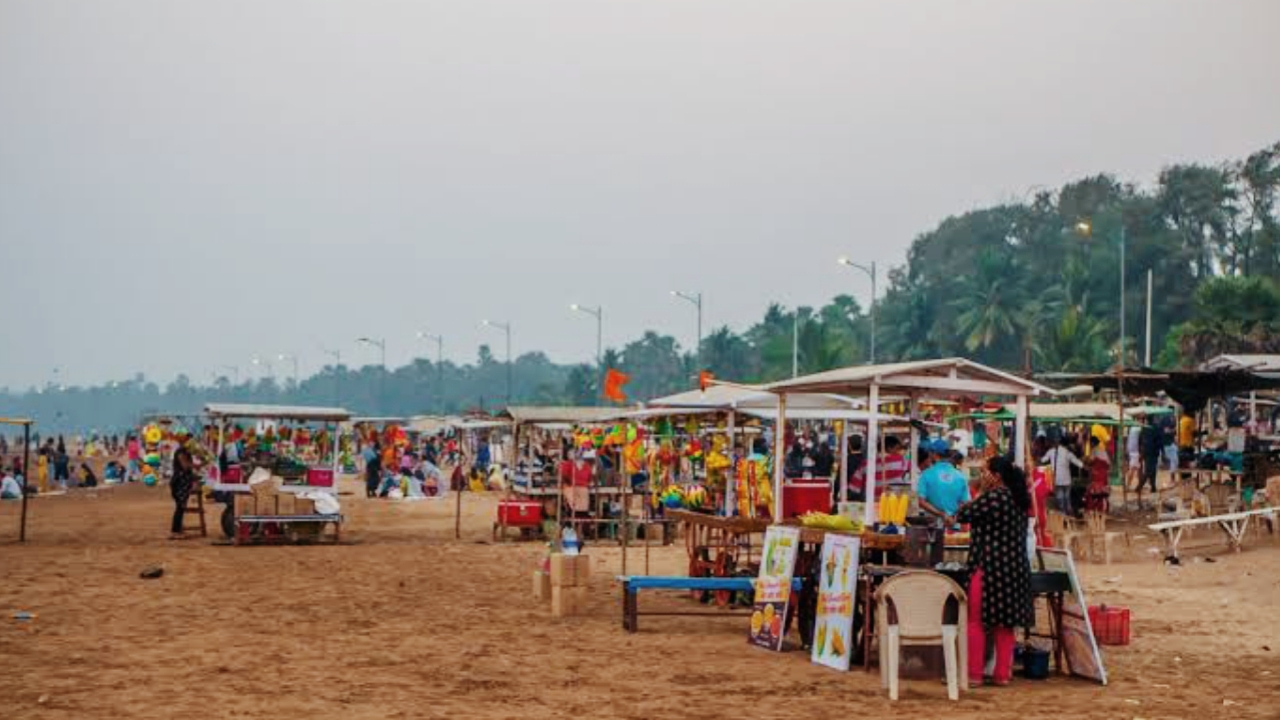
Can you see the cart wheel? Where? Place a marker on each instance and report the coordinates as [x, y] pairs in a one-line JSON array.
[[228, 521]]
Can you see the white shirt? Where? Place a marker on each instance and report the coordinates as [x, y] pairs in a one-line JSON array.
[[1062, 460], [1135, 433], [10, 487]]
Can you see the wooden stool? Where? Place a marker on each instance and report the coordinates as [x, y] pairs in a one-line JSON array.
[[198, 494]]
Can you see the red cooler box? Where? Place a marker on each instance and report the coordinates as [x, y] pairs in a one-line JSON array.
[[232, 475], [320, 477], [520, 513], [805, 496]]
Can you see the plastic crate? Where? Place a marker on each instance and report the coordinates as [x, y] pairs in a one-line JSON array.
[[1110, 624]]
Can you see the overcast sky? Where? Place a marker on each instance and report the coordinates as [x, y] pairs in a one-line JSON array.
[[184, 185]]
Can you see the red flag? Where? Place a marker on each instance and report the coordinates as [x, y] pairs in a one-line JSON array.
[[614, 380], [704, 379]]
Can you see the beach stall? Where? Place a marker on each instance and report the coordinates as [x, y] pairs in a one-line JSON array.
[[297, 444], [533, 494], [947, 378]]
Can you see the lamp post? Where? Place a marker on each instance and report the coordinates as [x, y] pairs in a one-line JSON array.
[[505, 327], [1085, 228], [380, 344], [870, 270], [382, 378], [235, 371], [439, 367], [259, 362], [598, 313], [337, 377], [696, 300], [294, 358]]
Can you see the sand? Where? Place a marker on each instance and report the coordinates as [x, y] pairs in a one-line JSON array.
[[404, 621]]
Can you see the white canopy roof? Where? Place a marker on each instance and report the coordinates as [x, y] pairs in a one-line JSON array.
[[739, 397], [276, 412], [562, 414], [1264, 365], [955, 376]]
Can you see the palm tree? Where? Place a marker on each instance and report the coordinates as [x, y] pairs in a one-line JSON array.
[[988, 304]]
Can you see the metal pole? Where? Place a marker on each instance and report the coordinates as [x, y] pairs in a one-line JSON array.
[[795, 344], [440, 373], [698, 350], [26, 479], [873, 312], [1120, 449], [508, 329], [1147, 355]]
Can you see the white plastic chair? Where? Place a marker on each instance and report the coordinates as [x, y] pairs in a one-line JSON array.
[[919, 599]]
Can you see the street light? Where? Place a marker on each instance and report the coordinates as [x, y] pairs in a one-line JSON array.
[[871, 273], [235, 370], [598, 313], [422, 335], [337, 375], [1084, 227], [696, 300], [505, 327], [285, 356], [380, 344], [259, 362]]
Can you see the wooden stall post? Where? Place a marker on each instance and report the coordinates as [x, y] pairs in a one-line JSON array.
[[779, 458], [1020, 432], [626, 507], [873, 443], [26, 479]]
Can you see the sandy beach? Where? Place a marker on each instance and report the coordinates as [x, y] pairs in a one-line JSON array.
[[403, 621]]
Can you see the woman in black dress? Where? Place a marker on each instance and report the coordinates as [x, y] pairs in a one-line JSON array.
[[999, 569]]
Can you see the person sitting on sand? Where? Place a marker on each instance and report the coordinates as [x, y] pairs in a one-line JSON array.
[[10, 488], [87, 477]]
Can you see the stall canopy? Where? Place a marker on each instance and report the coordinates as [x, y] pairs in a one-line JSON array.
[[746, 397], [942, 378], [532, 415], [1192, 389], [276, 412], [1267, 366]]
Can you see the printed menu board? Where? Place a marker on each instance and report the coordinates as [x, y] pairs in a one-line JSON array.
[[773, 587], [833, 628]]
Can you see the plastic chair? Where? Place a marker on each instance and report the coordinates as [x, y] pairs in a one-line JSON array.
[[918, 599], [1097, 531], [1063, 530]]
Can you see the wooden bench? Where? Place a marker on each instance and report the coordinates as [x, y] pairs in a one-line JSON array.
[[633, 584], [1233, 525], [246, 524]]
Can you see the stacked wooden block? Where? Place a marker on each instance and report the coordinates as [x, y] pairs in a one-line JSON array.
[[564, 584], [276, 504]]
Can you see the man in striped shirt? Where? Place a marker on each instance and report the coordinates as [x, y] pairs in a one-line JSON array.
[[891, 468]]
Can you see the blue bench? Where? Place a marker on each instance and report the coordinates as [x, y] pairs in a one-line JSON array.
[[633, 584]]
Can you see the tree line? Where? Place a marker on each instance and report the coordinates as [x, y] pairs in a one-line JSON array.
[[1032, 285]]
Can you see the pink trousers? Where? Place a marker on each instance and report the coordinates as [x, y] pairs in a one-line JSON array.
[[978, 639]]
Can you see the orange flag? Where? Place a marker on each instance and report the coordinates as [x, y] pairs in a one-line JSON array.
[[614, 380], [704, 379]]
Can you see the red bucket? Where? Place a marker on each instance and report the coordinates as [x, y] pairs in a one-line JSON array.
[[1110, 624]]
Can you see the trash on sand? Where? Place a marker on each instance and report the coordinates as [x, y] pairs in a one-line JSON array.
[[152, 573], [24, 615]]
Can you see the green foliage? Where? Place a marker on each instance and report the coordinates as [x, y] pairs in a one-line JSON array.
[[1020, 286]]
